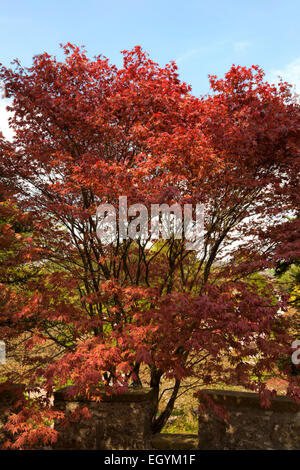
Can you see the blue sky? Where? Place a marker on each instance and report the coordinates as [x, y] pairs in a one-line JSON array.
[[203, 37]]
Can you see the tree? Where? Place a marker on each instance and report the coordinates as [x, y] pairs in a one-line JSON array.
[[287, 269], [86, 133]]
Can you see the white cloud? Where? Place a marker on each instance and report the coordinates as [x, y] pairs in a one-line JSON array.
[[4, 115], [187, 55], [241, 46], [290, 73], [211, 48]]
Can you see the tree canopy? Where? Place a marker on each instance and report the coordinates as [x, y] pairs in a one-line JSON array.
[[119, 314]]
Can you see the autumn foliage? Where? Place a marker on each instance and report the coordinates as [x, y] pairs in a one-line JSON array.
[[87, 132]]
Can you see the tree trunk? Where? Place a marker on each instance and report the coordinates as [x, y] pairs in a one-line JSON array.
[[158, 422]]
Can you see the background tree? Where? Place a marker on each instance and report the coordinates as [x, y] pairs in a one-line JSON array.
[[86, 133], [287, 271]]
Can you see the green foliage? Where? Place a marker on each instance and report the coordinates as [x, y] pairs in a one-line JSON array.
[[289, 281], [181, 422]]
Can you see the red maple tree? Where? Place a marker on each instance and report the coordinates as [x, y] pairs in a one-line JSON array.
[[87, 132]]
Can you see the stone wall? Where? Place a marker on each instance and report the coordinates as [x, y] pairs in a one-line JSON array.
[[121, 422], [250, 426]]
